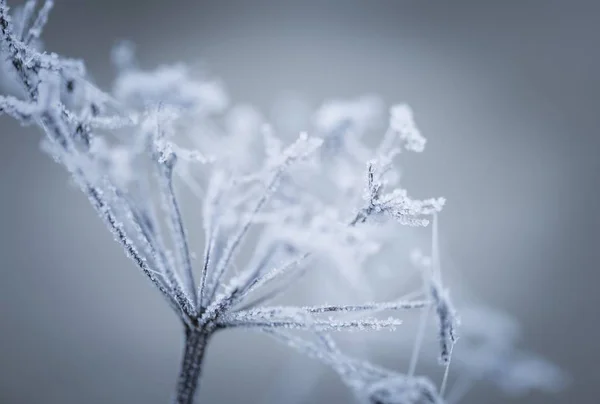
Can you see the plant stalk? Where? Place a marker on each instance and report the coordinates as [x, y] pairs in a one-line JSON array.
[[191, 365]]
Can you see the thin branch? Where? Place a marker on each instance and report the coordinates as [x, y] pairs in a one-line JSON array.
[[38, 25], [152, 244], [117, 229], [446, 373], [263, 321], [248, 286], [276, 291], [368, 307], [22, 111], [414, 359], [173, 212], [235, 241], [24, 18], [211, 230], [400, 305]]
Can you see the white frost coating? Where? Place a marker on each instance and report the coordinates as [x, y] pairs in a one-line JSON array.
[[360, 114], [395, 204], [117, 160], [445, 313], [38, 24], [22, 18], [403, 123], [303, 147], [298, 206], [172, 85], [22, 111]]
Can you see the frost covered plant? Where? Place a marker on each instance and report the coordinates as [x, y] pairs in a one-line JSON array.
[[316, 203]]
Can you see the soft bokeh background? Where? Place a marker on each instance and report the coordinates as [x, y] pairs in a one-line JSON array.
[[507, 93]]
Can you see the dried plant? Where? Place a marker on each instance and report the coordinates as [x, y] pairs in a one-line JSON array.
[[320, 203]]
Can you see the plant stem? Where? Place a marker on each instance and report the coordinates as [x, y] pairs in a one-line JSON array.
[[191, 365]]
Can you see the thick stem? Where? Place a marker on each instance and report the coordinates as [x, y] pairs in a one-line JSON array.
[[191, 365]]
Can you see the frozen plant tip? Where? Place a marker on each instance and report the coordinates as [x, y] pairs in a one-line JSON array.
[[302, 206], [395, 204]]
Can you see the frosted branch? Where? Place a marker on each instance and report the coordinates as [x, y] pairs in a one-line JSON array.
[[176, 225], [38, 25], [395, 204], [22, 111], [296, 321]]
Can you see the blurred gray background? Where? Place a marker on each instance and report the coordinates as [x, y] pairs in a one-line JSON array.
[[506, 91]]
